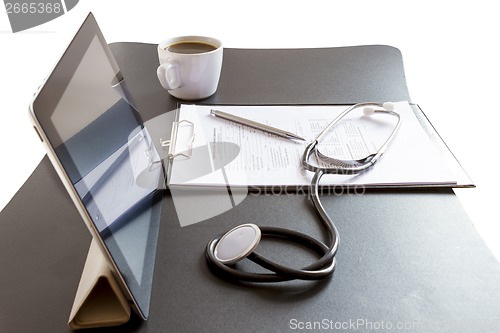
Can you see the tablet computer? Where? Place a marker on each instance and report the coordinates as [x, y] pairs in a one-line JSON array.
[[99, 146]]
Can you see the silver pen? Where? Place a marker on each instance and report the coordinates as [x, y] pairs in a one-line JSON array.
[[254, 124]]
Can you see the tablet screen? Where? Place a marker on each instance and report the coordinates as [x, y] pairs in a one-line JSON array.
[[91, 123]]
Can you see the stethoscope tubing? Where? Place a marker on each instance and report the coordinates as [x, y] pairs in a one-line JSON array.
[[320, 269]]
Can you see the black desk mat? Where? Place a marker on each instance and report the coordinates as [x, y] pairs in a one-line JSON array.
[[406, 258]]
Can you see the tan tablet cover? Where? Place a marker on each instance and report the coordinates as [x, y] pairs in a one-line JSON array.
[[99, 300]]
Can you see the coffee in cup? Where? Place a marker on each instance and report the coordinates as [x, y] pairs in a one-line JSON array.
[[190, 48], [190, 66]]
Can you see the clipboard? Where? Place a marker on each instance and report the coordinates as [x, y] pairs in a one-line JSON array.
[[261, 161]]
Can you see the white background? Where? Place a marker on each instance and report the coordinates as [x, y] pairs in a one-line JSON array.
[[451, 53]]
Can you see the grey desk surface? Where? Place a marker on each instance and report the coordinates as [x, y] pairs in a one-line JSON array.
[[407, 259]]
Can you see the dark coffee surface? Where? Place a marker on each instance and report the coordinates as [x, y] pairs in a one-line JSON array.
[[190, 48]]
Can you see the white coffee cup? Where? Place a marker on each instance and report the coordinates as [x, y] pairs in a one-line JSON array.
[[190, 66]]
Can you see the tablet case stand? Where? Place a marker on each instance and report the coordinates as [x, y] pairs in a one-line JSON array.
[[99, 301]]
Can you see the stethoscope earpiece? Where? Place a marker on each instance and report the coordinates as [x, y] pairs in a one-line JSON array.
[[370, 110], [389, 106], [237, 243]]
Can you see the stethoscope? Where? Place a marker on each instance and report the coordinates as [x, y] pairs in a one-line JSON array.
[[225, 251]]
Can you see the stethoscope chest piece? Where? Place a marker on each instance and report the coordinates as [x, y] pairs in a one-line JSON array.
[[237, 243]]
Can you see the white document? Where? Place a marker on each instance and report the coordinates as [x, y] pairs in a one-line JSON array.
[[264, 159]]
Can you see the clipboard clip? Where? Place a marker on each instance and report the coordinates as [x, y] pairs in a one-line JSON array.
[[171, 144]]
